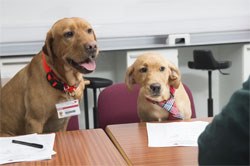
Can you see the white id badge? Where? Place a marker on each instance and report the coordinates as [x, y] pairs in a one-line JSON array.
[[68, 108]]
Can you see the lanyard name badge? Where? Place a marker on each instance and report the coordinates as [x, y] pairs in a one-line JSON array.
[[68, 108]]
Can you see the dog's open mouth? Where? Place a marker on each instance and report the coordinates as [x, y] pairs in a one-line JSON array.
[[84, 67]]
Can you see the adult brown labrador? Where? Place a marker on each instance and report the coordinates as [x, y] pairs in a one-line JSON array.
[[162, 95], [53, 76]]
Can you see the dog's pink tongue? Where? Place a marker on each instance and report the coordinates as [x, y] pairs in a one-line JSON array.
[[91, 65]]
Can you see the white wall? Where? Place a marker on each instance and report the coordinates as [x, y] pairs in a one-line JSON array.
[[229, 84], [246, 61], [31, 19]]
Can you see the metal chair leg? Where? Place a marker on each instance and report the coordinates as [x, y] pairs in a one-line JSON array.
[[210, 99], [95, 109], [86, 108]]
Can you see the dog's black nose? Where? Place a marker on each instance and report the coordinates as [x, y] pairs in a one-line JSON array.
[[156, 88], [91, 47]]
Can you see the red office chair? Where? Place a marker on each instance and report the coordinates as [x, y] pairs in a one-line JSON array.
[[191, 100], [118, 105], [73, 123]]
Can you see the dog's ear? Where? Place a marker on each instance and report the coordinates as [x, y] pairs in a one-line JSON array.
[[174, 77], [47, 48], [94, 35], [129, 79]]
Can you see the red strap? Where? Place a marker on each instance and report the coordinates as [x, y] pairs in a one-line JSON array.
[[172, 90], [45, 65], [166, 104], [69, 89], [54, 81]]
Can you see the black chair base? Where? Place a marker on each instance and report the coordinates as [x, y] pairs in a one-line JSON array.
[[95, 83], [204, 60]]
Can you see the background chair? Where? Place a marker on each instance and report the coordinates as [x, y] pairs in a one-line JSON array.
[[73, 123], [204, 60], [95, 83], [191, 100], [118, 105]]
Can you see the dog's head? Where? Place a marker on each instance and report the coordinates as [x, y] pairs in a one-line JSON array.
[[154, 74], [71, 43]]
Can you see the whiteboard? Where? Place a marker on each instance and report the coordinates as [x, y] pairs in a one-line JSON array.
[[29, 20]]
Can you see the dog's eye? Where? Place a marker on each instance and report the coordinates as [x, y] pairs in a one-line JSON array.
[[143, 70], [69, 34], [162, 68], [90, 30]]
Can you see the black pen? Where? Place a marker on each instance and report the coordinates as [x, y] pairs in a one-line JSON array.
[[28, 144]]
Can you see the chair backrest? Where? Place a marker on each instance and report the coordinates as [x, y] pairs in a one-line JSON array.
[[204, 60], [118, 105], [191, 100], [73, 123]]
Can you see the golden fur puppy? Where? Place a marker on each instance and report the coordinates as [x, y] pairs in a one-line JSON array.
[[53, 76], [162, 95]]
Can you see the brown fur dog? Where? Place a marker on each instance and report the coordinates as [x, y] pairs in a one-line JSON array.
[[28, 99], [157, 78]]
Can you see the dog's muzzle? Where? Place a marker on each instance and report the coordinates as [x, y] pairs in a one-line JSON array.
[[155, 89], [91, 48]]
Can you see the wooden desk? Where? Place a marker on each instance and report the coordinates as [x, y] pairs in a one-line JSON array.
[[82, 147], [132, 142]]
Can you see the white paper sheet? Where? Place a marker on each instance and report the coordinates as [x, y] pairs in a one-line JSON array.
[[175, 133], [10, 152]]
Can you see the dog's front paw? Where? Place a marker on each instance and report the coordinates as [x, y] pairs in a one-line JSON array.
[[86, 82]]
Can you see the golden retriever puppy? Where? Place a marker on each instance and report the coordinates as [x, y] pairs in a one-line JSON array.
[[54, 75], [162, 95]]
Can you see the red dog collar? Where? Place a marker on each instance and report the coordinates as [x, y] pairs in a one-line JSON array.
[[54, 81]]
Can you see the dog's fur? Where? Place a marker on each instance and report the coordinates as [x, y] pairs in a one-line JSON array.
[[151, 69], [28, 100]]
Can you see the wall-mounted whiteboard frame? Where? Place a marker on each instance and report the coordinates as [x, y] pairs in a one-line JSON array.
[[125, 24]]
